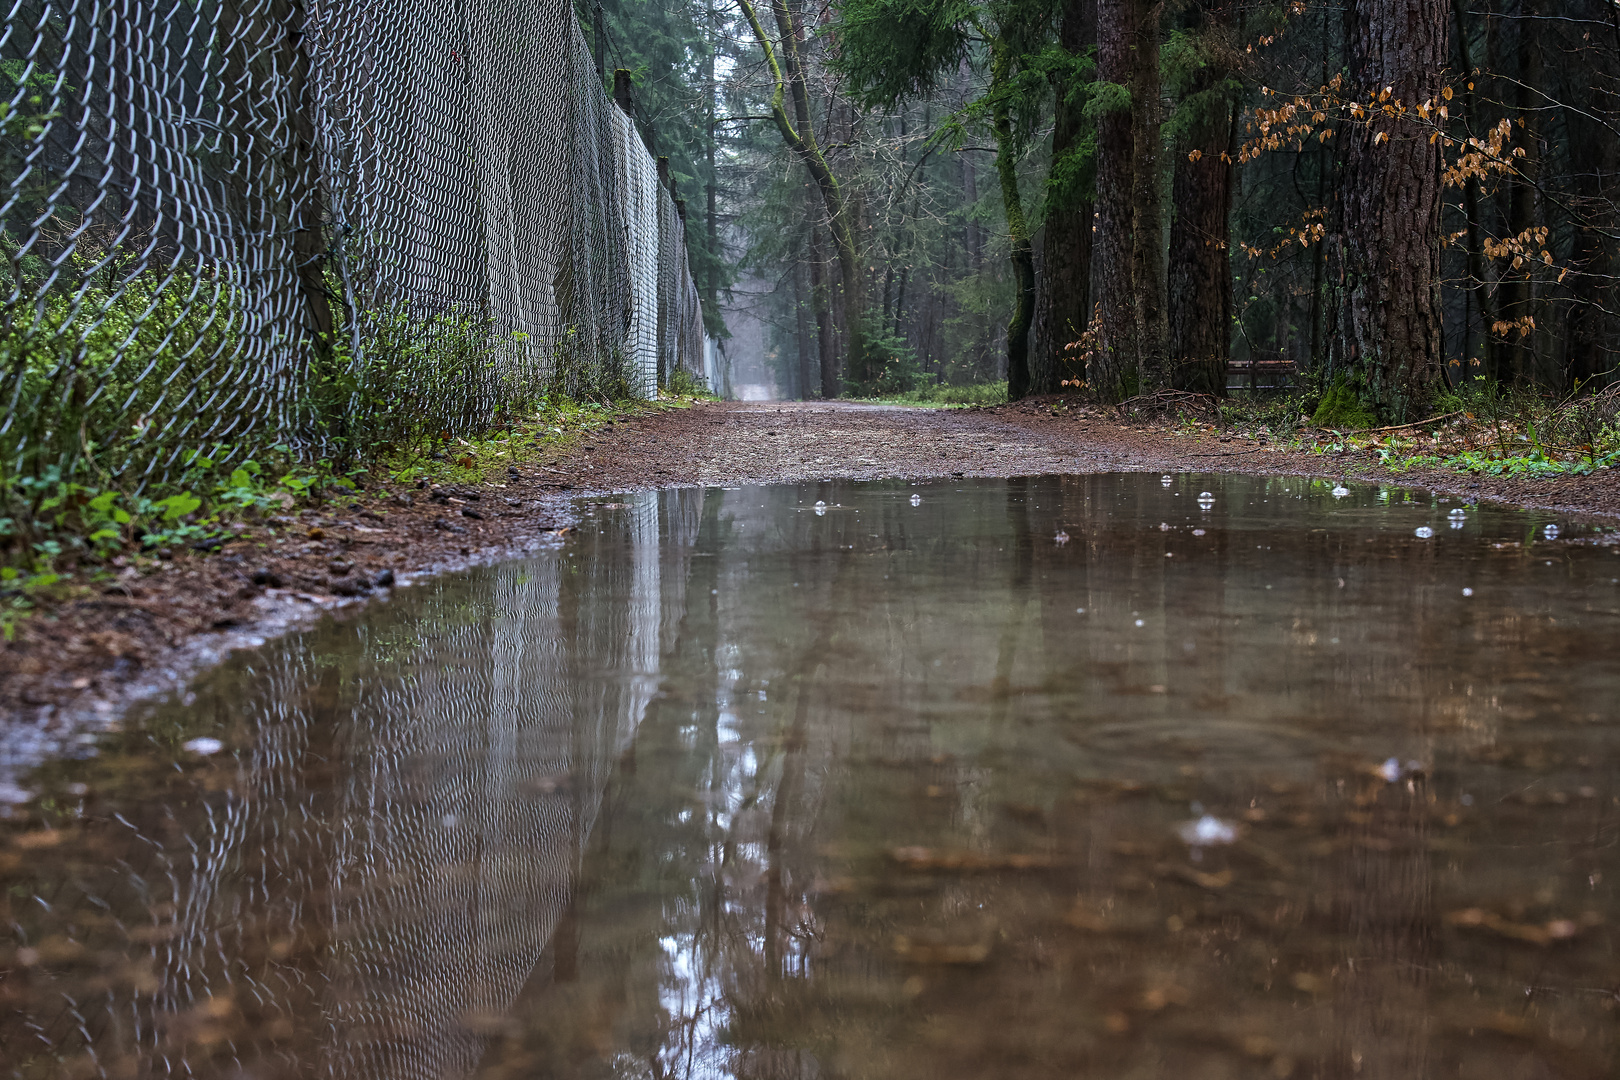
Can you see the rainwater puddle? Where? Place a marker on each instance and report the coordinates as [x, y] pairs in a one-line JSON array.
[[1088, 776]]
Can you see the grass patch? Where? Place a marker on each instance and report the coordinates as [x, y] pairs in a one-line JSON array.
[[556, 427], [75, 535], [946, 397]]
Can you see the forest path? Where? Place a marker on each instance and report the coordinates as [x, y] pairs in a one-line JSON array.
[[77, 661]]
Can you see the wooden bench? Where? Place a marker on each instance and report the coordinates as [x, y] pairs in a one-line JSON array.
[[1262, 374]]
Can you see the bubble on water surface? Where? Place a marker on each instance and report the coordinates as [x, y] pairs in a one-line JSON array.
[[1550, 532], [1422, 532], [1207, 831], [821, 509], [1205, 500], [1340, 491], [1061, 538], [1165, 480], [1198, 532], [1141, 622], [203, 745], [916, 500], [1468, 592]]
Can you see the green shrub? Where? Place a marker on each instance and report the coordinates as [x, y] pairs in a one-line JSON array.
[[682, 383]]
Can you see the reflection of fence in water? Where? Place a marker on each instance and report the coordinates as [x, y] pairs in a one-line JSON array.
[[278, 222], [402, 836]]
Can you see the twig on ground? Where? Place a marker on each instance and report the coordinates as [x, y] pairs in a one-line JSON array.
[[1399, 427]]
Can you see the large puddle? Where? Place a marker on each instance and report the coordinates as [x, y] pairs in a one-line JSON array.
[[1052, 777]]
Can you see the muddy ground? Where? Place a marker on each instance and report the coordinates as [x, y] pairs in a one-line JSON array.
[[83, 657]]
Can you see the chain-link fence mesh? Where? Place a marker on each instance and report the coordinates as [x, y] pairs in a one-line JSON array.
[[323, 224]]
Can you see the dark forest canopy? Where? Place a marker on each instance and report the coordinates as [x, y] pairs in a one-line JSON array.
[[1127, 195]]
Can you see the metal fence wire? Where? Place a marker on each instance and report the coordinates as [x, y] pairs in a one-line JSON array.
[[321, 224]]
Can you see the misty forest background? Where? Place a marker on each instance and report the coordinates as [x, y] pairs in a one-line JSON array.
[[1391, 201]]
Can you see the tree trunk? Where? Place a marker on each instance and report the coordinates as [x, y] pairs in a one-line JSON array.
[[1112, 373], [801, 311], [1516, 352], [1200, 279], [1063, 299], [711, 276], [1593, 159], [799, 135], [821, 304], [1200, 259], [1022, 254], [1387, 329], [1478, 291], [1147, 201]]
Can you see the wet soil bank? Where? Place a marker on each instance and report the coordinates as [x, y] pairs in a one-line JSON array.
[[147, 631]]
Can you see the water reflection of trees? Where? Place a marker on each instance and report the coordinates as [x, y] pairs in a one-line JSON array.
[[740, 790], [783, 943]]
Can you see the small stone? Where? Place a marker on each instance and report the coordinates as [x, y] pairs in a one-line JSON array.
[[384, 579], [467, 511]]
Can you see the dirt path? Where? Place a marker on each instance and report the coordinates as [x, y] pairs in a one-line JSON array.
[[80, 660]]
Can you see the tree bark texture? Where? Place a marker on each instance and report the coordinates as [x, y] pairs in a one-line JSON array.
[[1147, 201], [1387, 326], [1200, 272], [1063, 290], [1112, 373], [1200, 280]]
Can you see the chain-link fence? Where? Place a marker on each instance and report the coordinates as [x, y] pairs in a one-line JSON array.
[[322, 224]]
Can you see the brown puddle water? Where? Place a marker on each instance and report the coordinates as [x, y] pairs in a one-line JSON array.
[[1049, 777]]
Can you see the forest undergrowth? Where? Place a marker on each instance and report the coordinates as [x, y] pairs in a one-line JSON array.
[[80, 537], [1489, 430]]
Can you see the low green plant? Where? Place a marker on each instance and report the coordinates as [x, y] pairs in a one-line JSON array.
[[1536, 463], [684, 384], [1341, 408]]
